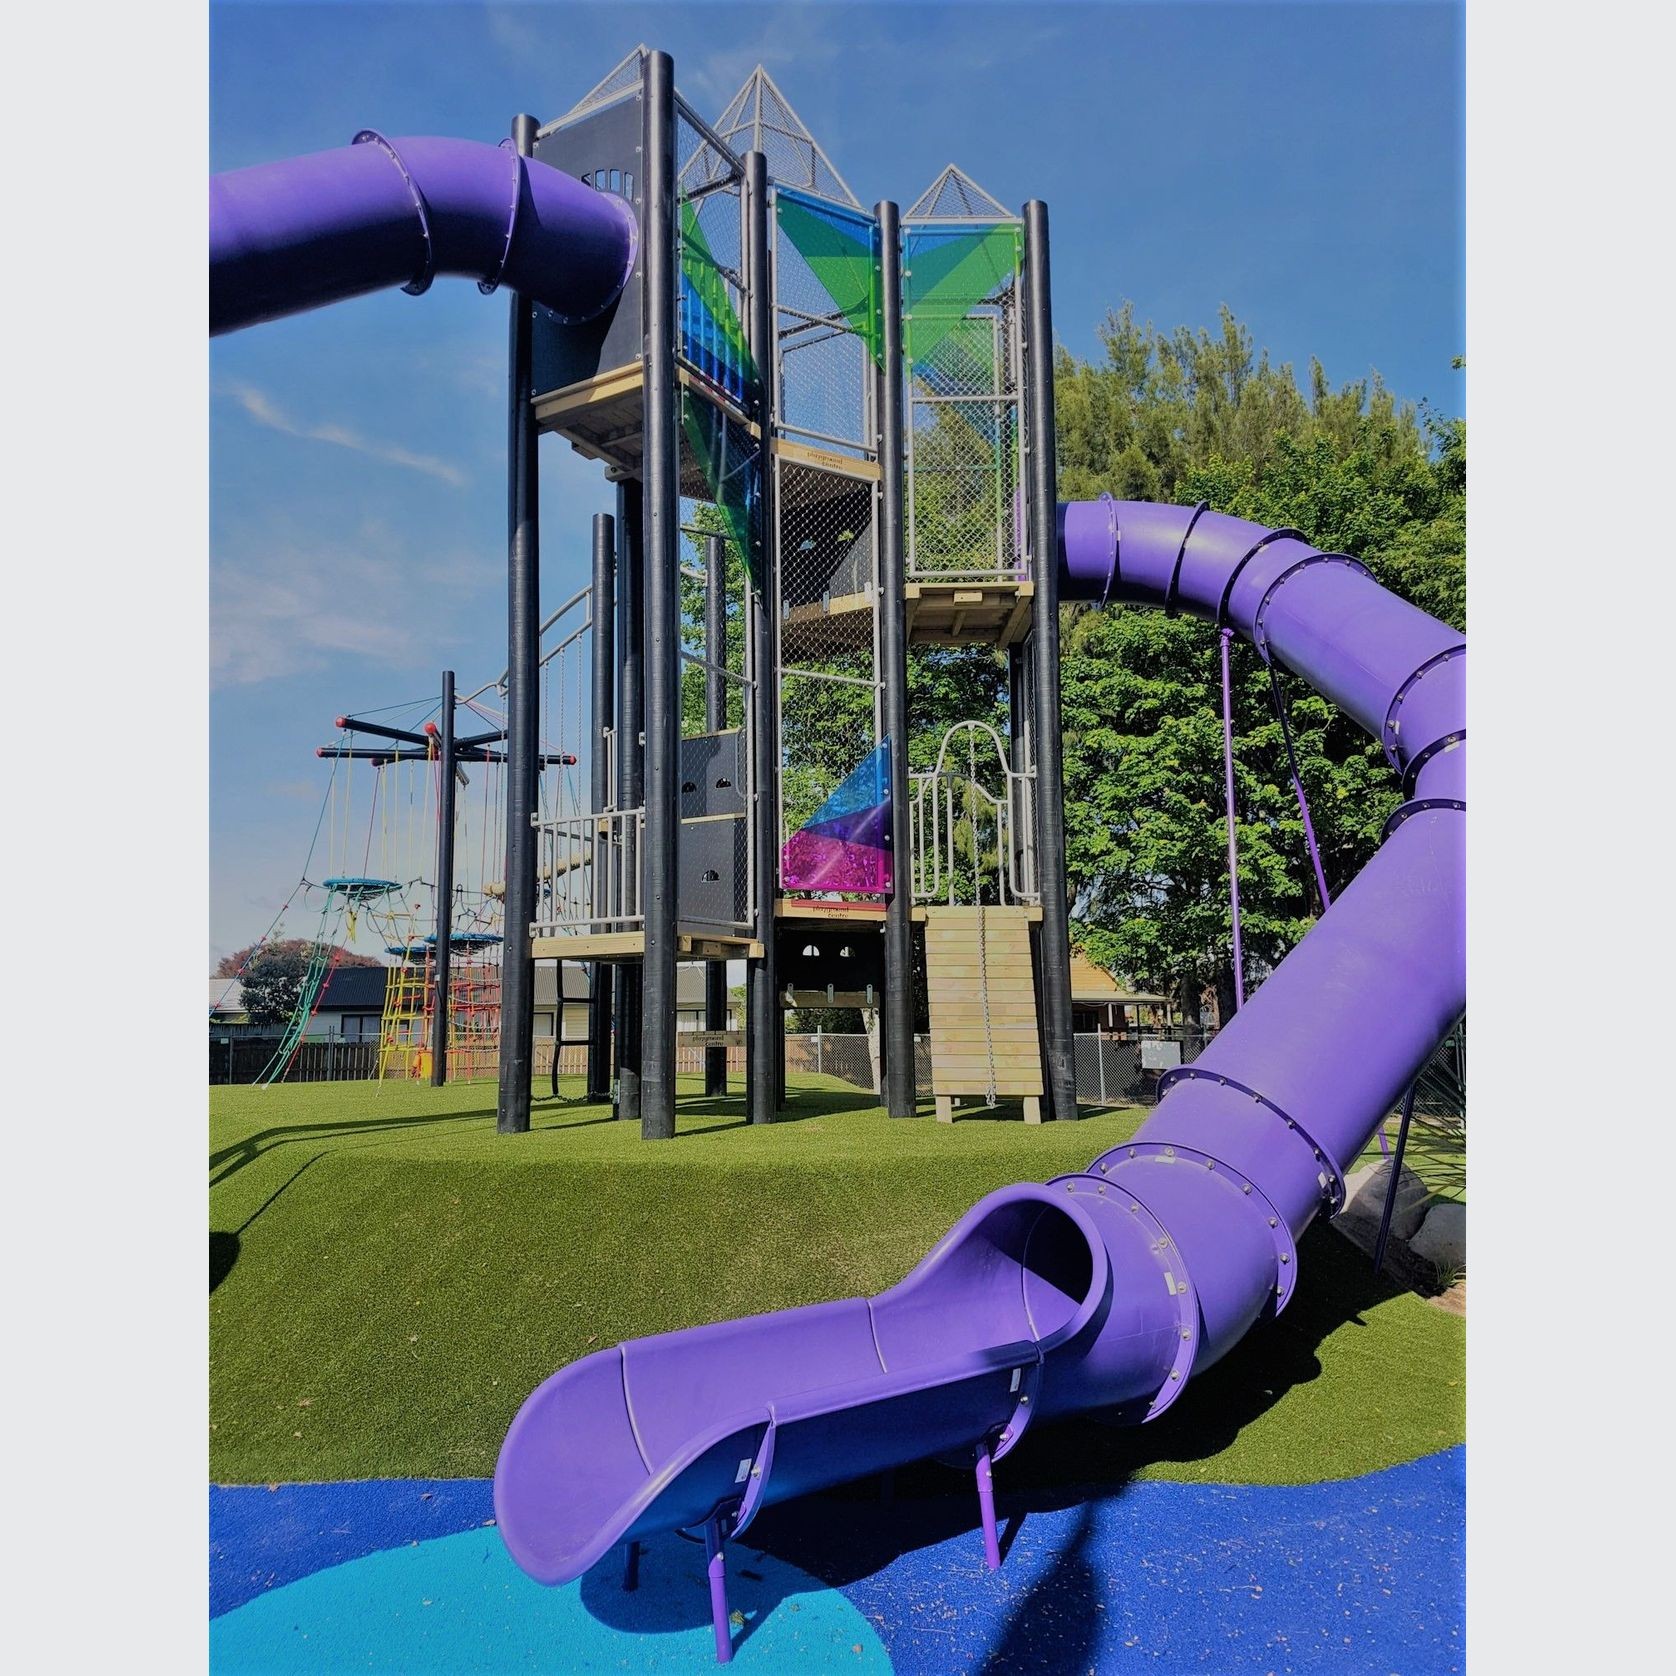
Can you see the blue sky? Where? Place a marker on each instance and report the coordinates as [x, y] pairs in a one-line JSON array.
[[1300, 163]]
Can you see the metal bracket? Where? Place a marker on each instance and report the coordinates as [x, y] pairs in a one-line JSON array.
[[1251, 553], [1332, 1182], [1259, 636], [489, 286], [421, 282], [1181, 553], [1389, 732], [1285, 1248], [1174, 1272]]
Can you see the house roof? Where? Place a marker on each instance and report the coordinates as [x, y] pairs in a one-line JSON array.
[[1093, 986], [354, 989]]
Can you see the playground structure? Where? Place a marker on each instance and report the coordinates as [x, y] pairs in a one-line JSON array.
[[840, 421], [431, 859]]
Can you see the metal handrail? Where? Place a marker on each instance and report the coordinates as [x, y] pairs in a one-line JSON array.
[[589, 872], [933, 824]]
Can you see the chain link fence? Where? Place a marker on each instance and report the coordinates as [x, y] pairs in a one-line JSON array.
[[1110, 1070]]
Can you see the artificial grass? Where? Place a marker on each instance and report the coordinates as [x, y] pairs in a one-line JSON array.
[[395, 1277]]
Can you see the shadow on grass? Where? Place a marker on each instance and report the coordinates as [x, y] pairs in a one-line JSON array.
[[231, 1159], [851, 1532], [223, 1254]]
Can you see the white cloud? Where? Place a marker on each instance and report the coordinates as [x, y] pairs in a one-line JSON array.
[[285, 612], [262, 408], [285, 599]]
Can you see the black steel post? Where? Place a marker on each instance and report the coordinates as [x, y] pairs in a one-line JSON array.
[[659, 860], [1395, 1180], [631, 616], [442, 959], [1057, 1044], [602, 610], [900, 1090], [715, 719], [764, 1020], [523, 673]]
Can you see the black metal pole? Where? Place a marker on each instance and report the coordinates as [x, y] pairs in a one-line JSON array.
[[602, 608], [659, 859], [900, 1090], [1395, 1181], [442, 958], [1057, 1043], [379, 731], [523, 655], [764, 1021], [715, 719], [631, 615]]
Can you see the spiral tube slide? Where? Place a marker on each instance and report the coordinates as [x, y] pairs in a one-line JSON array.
[[1107, 1289], [297, 234]]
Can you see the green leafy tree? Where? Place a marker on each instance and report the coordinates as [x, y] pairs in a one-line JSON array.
[[1199, 416], [273, 983]]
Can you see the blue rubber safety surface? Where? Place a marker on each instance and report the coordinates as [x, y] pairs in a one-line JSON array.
[[1352, 1576]]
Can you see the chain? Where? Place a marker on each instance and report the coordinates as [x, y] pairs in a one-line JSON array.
[[983, 987], [977, 895]]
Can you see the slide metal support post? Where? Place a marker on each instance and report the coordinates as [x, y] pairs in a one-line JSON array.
[[659, 862], [986, 1509], [765, 1025], [715, 719], [602, 608], [523, 655], [1050, 790], [630, 778], [715, 1551], [900, 1090], [442, 961], [1396, 1177], [1233, 834]]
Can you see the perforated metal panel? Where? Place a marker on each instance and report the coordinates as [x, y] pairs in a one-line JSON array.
[[713, 774], [715, 873]]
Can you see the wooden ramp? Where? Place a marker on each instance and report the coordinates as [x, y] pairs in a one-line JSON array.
[[982, 997]]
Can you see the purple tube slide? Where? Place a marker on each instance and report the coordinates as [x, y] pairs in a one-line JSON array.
[[311, 230], [1108, 1289]]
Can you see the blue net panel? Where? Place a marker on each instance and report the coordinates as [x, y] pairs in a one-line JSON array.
[[359, 890]]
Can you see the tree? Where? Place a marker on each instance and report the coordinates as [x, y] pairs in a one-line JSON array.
[[1191, 417], [273, 982], [233, 965]]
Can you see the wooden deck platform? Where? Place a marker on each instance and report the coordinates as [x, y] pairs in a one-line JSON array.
[[691, 943], [994, 613]]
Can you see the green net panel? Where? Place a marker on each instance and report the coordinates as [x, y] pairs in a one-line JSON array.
[[728, 465], [841, 250], [961, 337]]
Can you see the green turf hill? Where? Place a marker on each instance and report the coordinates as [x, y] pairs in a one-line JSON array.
[[390, 1278]]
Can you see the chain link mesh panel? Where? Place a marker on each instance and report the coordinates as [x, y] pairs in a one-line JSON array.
[[962, 335], [828, 322], [848, 1058], [710, 234], [827, 591]]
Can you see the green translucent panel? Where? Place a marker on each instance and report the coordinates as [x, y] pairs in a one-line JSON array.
[[946, 276], [731, 463], [703, 276], [841, 253]]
